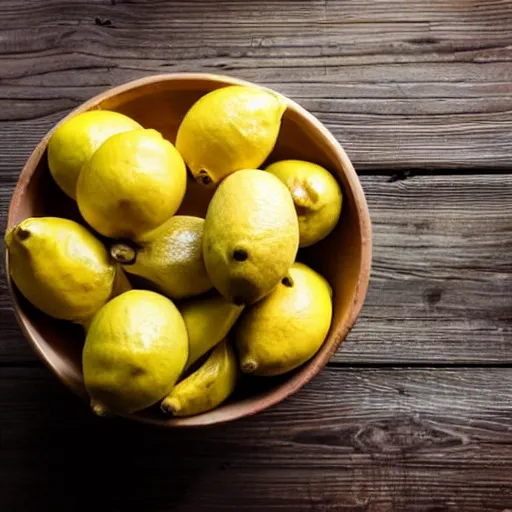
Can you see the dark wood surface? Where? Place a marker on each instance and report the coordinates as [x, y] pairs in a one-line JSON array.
[[414, 412], [355, 440]]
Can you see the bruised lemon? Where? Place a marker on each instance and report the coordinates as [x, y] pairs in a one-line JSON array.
[[316, 195]]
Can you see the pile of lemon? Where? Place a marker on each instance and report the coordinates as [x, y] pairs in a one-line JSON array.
[[219, 294]]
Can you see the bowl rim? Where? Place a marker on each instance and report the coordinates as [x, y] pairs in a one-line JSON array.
[[314, 365]]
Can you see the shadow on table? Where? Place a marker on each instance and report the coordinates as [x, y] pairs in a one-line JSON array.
[[55, 455]]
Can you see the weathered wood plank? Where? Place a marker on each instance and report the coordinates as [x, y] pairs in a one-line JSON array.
[[429, 85], [353, 440], [441, 285], [426, 85]]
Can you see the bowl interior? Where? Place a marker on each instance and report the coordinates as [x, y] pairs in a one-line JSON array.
[[343, 257]]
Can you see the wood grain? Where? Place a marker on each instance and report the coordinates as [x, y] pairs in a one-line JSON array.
[[426, 86], [421, 85], [353, 440], [441, 284]]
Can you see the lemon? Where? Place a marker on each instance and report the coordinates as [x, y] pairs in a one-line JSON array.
[[316, 194], [75, 140], [208, 321], [136, 348], [170, 256], [229, 129], [287, 327], [207, 387], [133, 183], [251, 235], [60, 267]]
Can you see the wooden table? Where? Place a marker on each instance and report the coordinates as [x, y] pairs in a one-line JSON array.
[[414, 413]]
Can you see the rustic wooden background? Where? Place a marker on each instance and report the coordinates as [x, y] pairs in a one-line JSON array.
[[414, 413]]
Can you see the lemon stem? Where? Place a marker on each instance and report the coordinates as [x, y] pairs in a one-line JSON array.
[[249, 365], [22, 234], [100, 409], [287, 281], [170, 406], [203, 178], [123, 253]]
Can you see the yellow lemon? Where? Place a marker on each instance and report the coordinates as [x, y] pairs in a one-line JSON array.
[[170, 256], [208, 321], [287, 327], [229, 129], [207, 387], [74, 141], [133, 183], [316, 194], [251, 235], [135, 350], [60, 267]]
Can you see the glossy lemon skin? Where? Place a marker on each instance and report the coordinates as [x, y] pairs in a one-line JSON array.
[[60, 267], [171, 257], [229, 129]]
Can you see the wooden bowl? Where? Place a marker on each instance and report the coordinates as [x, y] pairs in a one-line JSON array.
[[344, 257]]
